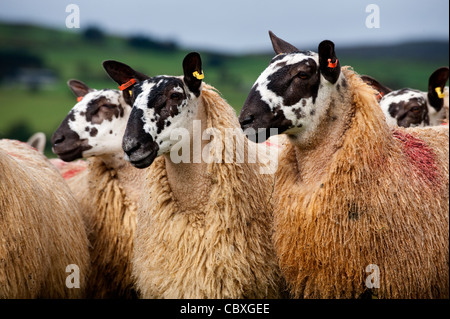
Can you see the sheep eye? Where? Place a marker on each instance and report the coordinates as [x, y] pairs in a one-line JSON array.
[[303, 75], [175, 96], [94, 111], [109, 106]]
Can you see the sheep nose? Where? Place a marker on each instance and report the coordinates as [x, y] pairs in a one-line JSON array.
[[247, 120], [129, 146], [57, 139]]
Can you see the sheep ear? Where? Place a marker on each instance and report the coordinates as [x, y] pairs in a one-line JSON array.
[[123, 74], [383, 90], [79, 88], [281, 46], [329, 64], [437, 79], [193, 73], [38, 140]]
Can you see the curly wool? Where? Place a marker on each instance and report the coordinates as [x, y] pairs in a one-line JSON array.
[[382, 200], [111, 219], [41, 228], [221, 250]]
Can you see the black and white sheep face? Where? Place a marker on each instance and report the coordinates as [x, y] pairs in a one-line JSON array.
[[284, 95], [405, 108], [289, 93], [408, 107], [162, 104], [94, 127]]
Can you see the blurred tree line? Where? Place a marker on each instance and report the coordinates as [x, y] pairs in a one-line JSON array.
[[95, 34], [13, 60]]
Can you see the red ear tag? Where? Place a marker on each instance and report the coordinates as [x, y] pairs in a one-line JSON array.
[[79, 98], [332, 65], [380, 95], [127, 84]]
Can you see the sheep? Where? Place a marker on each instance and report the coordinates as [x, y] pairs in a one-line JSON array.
[[203, 227], [43, 242], [105, 184], [408, 107], [360, 209]]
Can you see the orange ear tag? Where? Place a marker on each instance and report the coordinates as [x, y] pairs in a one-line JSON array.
[[126, 85], [332, 65], [79, 98]]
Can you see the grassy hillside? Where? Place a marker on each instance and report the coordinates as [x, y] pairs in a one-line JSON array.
[[25, 109]]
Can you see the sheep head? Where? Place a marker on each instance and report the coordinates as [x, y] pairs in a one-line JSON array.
[[408, 107], [288, 95], [160, 105], [405, 107], [94, 126]]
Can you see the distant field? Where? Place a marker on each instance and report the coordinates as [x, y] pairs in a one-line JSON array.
[[70, 55]]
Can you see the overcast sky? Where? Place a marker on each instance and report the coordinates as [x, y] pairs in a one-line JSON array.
[[241, 25]]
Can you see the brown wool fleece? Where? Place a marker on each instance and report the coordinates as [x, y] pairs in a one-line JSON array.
[[109, 211], [41, 228], [380, 199]]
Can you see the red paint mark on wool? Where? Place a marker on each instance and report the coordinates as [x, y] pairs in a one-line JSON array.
[[272, 144], [19, 156], [15, 155], [420, 156], [72, 172]]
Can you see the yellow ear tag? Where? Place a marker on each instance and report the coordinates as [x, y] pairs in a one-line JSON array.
[[198, 76], [130, 92], [439, 92]]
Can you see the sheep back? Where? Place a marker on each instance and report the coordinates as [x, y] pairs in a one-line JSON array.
[[41, 228]]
